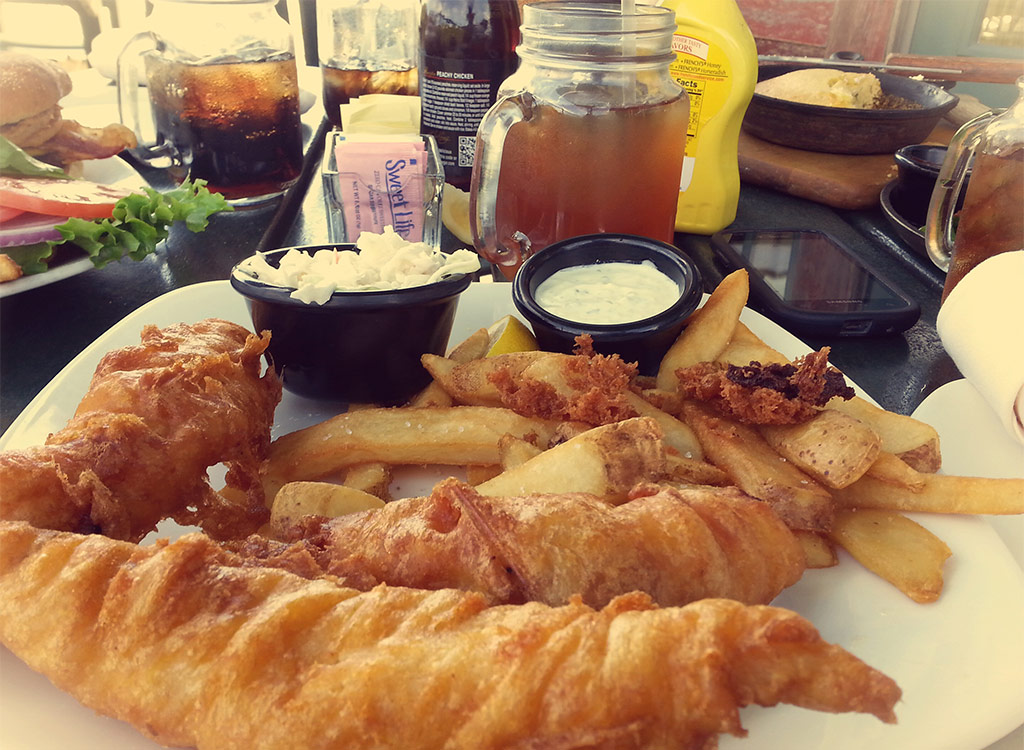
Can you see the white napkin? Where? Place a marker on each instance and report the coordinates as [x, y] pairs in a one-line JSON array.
[[981, 324]]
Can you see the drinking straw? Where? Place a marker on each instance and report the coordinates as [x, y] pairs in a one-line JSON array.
[[628, 10]]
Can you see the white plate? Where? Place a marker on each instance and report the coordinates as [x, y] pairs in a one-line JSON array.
[[957, 660], [113, 171]]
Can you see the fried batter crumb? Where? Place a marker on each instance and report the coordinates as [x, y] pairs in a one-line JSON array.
[[766, 393]]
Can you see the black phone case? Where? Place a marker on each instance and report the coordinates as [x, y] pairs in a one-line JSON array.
[[814, 323]]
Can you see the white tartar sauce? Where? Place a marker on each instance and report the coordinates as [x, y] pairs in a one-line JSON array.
[[607, 293]]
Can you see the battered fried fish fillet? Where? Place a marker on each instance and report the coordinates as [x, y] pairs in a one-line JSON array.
[[193, 648], [155, 417], [677, 545]]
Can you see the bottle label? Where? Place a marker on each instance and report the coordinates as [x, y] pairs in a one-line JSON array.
[[455, 95], [704, 71]]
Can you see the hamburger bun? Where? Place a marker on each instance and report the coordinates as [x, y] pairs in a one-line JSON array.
[[30, 115], [30, 89]]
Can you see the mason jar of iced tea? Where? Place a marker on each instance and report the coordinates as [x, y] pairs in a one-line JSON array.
[[587, 136], [223, 96], [992, 218]]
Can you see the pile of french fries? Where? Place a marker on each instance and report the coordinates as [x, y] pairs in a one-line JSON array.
[[843, 479]]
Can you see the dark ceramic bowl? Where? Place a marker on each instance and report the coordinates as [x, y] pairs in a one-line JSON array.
[[644, 341], [838, 130], [918, 169], [358, 347]]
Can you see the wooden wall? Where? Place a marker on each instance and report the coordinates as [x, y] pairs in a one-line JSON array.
[[817, 28]]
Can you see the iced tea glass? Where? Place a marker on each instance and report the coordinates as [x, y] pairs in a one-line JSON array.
[[992, 218], [587, 136], [223, 96]]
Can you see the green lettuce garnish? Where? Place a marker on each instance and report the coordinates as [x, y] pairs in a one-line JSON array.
[[140, 221], [15, 161], [32, 258]]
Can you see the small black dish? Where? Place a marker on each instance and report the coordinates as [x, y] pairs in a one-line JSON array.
[[907, 222], [917, 168], [644, 341], [358, 347]]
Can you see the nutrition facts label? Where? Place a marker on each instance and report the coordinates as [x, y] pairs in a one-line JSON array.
[[453, 104], [695, 89], [455, 94]]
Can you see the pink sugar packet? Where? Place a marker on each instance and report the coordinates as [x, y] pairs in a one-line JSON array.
[[382, 184]]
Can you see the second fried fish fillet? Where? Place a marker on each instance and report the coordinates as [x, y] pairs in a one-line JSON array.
[[195, 648], [156, 416], [677, 545]]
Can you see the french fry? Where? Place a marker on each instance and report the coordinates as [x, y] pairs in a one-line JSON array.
[[373, 478], [708, 331], [472, 347], [940, 494], [892, 469], [745, 347], [818, 551], [297, 499], [516, 451], [677, 434], [607, 461], [682, 470], [470, 382], [457, 435], [741, 452], [479, 474], [895, 548], [912, 440], [832, 447], [432, 395]]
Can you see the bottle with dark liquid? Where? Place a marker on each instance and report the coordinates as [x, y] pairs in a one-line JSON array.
[[467, 48]]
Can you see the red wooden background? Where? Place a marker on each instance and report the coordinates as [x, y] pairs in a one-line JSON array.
[[817, 28]]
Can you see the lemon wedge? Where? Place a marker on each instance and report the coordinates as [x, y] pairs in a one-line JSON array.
[[509, 334], [455, 213]]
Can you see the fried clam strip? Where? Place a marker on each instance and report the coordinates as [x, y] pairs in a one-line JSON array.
[[550, 547], [155, 418], [196, 649]]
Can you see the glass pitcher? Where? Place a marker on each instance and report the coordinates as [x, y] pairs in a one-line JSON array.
[[992, 218], [587, 136], [223, 94]]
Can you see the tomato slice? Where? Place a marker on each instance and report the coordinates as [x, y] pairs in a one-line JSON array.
[[81, 198], [9, 213]]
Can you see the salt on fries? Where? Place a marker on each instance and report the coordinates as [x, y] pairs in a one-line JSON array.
[[843, 478]]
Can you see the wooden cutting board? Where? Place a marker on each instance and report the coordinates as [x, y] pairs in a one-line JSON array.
[[837, 180]]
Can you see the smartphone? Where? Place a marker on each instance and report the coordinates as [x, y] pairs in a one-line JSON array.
[[809, 283]]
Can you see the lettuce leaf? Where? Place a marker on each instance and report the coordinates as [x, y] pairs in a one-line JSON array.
[[32, 258], [15, 161], [140, 221]]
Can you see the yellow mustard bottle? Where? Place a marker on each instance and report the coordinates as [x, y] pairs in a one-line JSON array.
[[716, 62]]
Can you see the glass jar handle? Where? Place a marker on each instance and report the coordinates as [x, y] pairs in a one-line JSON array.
[[483, 189], [938, 228], [130, 90]]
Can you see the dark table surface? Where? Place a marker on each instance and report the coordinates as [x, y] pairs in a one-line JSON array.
[[43, 329]]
